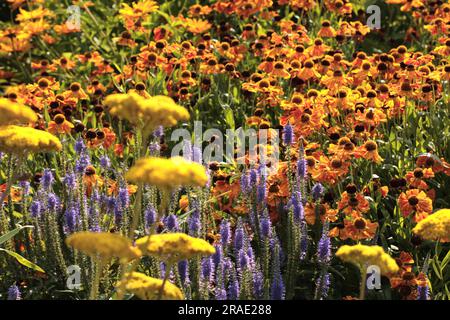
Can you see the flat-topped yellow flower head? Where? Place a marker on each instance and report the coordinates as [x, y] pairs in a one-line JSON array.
[[162, 110], [22, 140], [150, 113], [362, 255], [148, 288], [126, 106], [103, 245], [173, 247], [435, 227], [167, 173], [15, 113]]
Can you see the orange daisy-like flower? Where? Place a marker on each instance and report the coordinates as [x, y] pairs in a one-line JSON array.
[[113, 188], [15, 193], [279, 70], [197, 26], [326, 31], [415, 201], [416, 178], [60, 125], [322, 211], [357, 228], [91, 180], [350, 203], [369, 151], [329, 170]]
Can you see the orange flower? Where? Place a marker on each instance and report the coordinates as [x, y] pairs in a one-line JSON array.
[[429, 160], [415, 201], [350, 203], [60, 125], [369, 151], [278, 188], [318, 49], [415, 178], [15, 193], [406, 284], [75, 92], [323, 211], [110, 138], [326, 31], [279, 70], [357, 228], [113, 188], [330, 170], [118, 150], [184, 203], [308, 72], [91, 180], [197, 26]]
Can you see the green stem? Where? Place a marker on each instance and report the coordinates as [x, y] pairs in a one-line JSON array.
[[96, 283], [362, 286]]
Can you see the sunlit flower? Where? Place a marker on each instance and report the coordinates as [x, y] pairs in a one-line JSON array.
[[167, 173], [104, 245], [415, 201], [15, 113], [435, 227], [21, 140], [148, 288], [363, 256], [174, 247]]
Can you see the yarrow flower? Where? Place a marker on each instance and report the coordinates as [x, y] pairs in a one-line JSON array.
[[103, 244], [435, 227], [150, 113], [15, 113], [173, 247], [148, 288], [21, 140], [362, 255], [167, 173]]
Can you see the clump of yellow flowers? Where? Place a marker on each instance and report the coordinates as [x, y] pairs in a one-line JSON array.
[[21, 140], [15, 113], [362, 255], [170, 248], [435, 227], [167, 173], [174, 247], [150, 113], [104, 245], [148, 288]]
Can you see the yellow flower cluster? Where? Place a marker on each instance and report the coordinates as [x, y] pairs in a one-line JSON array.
[[173, 247], [21, 140], [148, 288], [15, 113], [167, 173], [103, 244], [435, 227], [362, 255], [152, 112]]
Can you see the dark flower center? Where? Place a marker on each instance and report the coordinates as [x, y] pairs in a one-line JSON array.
[[413, 201]]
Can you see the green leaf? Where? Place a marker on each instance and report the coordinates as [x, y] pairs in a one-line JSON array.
[[437, 268], [229, 118], [445, 261], [23, 261], [12, 233]]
